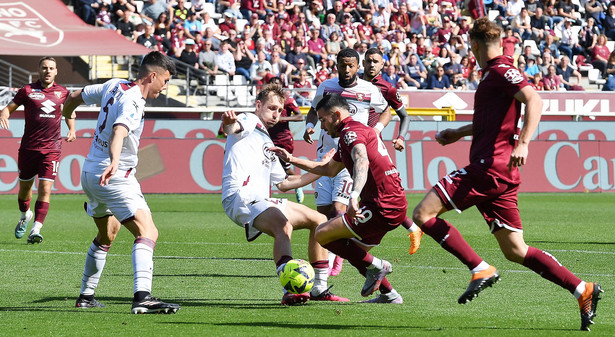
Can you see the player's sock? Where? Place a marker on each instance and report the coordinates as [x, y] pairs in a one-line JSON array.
[[143, 264], [450, 239], [408, 224], [331, 259], [94, 264], [376, 263], [385, 286], [481, 266], [24, 206], [547, 266], [321, 274], [36, 228], [282, 262], [413, 228], [579, 290], [40, 211], [351, 252]]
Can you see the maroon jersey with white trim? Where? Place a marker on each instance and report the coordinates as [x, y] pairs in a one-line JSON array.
[[496, 115], [390, 95], [43, 114], [383, 187]]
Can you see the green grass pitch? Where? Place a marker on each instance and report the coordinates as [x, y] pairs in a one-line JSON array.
[[228, 287]]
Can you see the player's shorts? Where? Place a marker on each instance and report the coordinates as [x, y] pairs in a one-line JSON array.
[[122, 197], [243, 211], [330, 189], [42, 163], [370, 230], [495, 198]]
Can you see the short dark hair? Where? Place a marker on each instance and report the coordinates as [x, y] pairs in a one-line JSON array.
[[347, 52], [46, 58], [271, 89], [372, 51], [331, 101], [155, 59]]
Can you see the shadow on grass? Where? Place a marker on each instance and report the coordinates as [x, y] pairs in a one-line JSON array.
[[346, 327]]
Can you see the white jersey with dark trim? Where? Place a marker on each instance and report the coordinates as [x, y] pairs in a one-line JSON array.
[[122, 103], [362, 96], [250, 168]]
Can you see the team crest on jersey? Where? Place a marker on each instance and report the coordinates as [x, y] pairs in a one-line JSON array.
[[350, 137], [38, 96], [58, 94], [20, 23], [360, 96], [513, 76], [268, 153]]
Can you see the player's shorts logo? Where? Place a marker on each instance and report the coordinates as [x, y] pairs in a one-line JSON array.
[[20, 23]]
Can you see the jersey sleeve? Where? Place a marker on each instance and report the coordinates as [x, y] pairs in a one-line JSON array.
[[92, 94], [248, 124], [393, 98], [515, 80], [378, 102], [129, 115], [277, 173], [20, 97]]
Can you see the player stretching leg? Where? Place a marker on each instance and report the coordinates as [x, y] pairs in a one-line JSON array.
[[250, 170], [383, 202], [491, 180], [39, 152], [108, 179]]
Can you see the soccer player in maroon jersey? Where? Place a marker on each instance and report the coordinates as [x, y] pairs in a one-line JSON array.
[[280, 133], [491, 180], [41, 144], [373, 63], [383, 202]]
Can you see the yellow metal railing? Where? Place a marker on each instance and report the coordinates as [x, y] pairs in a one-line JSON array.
[[447, 112]]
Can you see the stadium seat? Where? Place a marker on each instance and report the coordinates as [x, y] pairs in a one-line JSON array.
[[593, 75], [211, 9], [223, 90], [240, 24], [610, 45], [493, 14], [532, 43]]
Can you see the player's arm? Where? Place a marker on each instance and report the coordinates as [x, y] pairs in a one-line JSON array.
[[448, 136], [329, 168], [359, 178], [533, 110], [404, 125], [310, 122], [116, 141], [6, 113], [68, 111], [230, 123], [296, 181], [383, 120]]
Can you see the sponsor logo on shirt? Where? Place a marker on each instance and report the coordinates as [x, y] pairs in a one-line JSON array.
[[48, 107], [38, 96]]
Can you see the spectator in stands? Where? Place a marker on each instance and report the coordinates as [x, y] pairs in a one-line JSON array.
[[536, 82], [120, 7], [243, 60], [296, 54], [333, 46], [379, 40], [513, 9], [416, 74], [510, 41], [392, 76], [349, 31], [381, 17], [610, 66], [472, 81], [600, 55], [178, 42], [227, 24], [103, 18], [208, 22], [609, 22], [429, 60], [565, 10], [301, 65], [531, 68], [432, 17], [233, 6], [303, 97], [588, 36], [261, 64], [364, 29], [207, 61], [439, 81], [225, 59], [192, 25], [280, 67], [565, 72], [458, 82], [539, 24], [551, 82], [189, 57], [232, 40], [549, 44], [314, 13], [215, 42], [316, 46], [531, 6], [125, 27], [417, 23], [87, 9], [402, 18], [396, 57], [569, 42], [147, 39], [338, 11], [545, 61], [178, 13], [453, 67], [248, 7], [444, 56], [594, 9], [329, 27], [522, 24], [152, 9]]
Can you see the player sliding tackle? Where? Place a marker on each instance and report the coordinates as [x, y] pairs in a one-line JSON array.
[[250, 170], [383, 202]]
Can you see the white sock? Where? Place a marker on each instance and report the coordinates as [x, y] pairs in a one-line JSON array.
[[36, 228], [23, 214], [579, 290], [413, 228], [376, 263], [481, 266], [320, 281], [94, 264], [143, 264], [331, 259]]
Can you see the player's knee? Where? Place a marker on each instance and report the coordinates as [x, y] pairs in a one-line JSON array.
[[321, 235], [419, 216], [514, 254]]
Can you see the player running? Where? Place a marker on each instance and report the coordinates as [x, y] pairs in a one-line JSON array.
[[383, 202], [491, 180], [250, 169], [108, 179], [41, 144]]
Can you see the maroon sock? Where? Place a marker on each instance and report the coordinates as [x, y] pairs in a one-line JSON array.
[[40, 211], [547, 266], [385, 286], [450, 239], [320, 264], [349, 250], [24, 205], [407, 223], [283, 260]]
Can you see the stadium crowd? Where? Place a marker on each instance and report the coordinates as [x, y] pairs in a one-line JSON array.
[[425, 43]]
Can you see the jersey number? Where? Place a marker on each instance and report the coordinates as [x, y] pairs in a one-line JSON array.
[[106, 110]]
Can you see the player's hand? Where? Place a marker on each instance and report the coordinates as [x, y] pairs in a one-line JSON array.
[[229, 117], [71, 136], [107, 175], [353, 209], [518, 157], [446, 136], [4, 123], [327, 157], [281, 153], [398, 144], [307, 136]]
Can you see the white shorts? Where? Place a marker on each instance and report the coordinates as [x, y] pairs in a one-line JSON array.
[[330, 189], [243, 211], [121, 198]]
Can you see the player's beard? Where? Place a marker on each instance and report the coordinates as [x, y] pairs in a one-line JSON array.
[[345, 83]]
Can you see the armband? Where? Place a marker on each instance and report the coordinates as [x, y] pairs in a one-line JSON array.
[[354, 195], [309, 125], [379, 126]]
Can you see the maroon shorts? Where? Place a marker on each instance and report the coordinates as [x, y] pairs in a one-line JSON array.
[[371, 230], [495, 198], [42, 163]]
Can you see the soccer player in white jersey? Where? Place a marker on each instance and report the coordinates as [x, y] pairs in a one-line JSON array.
[[108, 179], [250, 169], [333, 193]]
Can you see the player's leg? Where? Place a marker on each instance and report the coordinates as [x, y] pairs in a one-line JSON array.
[[415, 234], [41, 208], [24, 196], [546, 265], [425, 215], [95, 260]]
